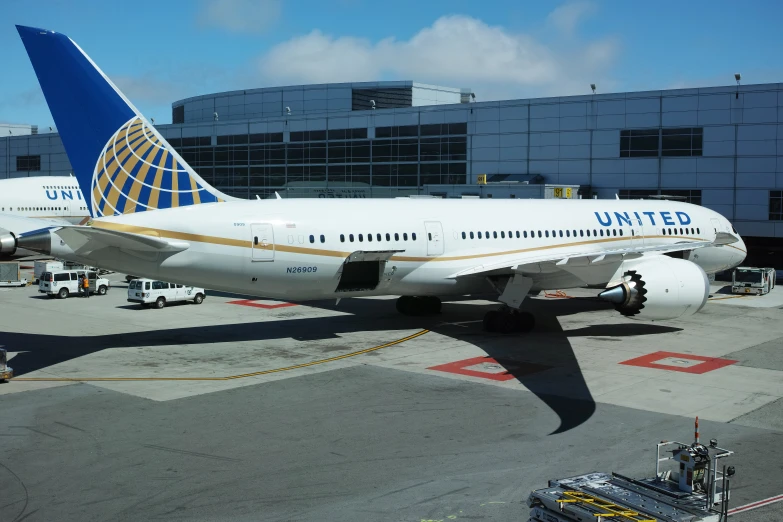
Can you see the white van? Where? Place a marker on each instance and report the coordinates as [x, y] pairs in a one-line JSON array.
[[148, 292], [62, 283]]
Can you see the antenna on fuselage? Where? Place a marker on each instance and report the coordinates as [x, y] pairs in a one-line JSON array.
[[277, 196]]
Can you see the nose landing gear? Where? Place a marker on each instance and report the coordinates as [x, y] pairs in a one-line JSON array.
[[508, 321]]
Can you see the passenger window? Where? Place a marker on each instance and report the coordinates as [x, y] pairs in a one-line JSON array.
[[502, 235], [323, 239], [546, 233], [518, 234], [157, 285], [61, 277], [698, 230], [312, 238], [388, 237], [568, 233], [179, 286], [523, 233], [561, 233], [369, 237], [510, 235], [342, 238], [361, 239], [378, 237], [471, 235], [621, 232], [495, 235], [146, 285], [405, 236], [74, 277], [350, 238], [539, 233], [486, 235], [479, 234], [413, 236], [396, 236], [463, 235]]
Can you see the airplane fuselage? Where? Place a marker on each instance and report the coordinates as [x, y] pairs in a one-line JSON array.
[[297, 249]]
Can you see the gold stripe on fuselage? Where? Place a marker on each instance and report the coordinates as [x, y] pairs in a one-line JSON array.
[[216, 240]]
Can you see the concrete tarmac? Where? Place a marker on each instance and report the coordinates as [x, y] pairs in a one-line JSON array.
[[243, 409]]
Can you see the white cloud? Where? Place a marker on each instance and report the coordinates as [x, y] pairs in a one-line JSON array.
[[566, 17], [456, 50], [240, 16]]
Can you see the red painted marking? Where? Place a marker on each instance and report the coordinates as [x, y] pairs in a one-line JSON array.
[[254, 304], [754, 505], [708, 364], [513, 369]]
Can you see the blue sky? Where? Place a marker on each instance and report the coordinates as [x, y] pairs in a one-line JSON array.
[[163, 50]]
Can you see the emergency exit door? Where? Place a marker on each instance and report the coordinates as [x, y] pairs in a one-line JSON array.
[[263, 242], [434, 238]]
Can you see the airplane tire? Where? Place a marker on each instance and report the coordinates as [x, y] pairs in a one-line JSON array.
[[490, 319], [524, 322]]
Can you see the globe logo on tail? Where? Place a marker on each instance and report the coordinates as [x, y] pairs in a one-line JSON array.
[[138, 171]]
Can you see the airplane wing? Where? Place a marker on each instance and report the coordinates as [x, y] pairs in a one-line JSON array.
[[82, 239], [574, 259]]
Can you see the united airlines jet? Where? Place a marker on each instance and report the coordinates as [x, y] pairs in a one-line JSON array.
[[35, 202], [155, 216]]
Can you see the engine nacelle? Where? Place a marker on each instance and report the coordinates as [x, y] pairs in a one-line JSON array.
[[659, 287]]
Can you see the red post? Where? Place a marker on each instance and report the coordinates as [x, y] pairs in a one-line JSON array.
[[697, 430]]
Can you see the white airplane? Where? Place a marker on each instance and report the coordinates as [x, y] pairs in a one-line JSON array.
[[32, 203], [155, 217]]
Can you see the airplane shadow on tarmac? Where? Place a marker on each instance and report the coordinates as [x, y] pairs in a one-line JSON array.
[[543, 360]]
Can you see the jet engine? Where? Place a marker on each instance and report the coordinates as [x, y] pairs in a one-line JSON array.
[[659, 287]]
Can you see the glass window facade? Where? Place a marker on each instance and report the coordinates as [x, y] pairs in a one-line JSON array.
[[776, 205], [244, 165], [28, 163]]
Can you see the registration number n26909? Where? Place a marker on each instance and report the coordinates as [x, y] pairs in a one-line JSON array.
[[301, 269]]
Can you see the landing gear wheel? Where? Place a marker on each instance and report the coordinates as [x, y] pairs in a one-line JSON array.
[[160, 302], [490, 319], [524, 321]]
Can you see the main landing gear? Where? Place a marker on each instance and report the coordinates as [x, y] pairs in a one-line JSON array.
[[508, 321], [418, 305]]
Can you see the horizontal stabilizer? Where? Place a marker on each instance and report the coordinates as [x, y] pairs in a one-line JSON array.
[[88, 238]]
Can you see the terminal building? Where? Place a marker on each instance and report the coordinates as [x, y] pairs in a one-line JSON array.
[[721, 147]]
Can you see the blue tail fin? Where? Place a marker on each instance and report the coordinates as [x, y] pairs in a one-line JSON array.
[[118, 157]]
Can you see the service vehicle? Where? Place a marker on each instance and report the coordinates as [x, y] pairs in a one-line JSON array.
[[149, 292], [11, 275], [749, 280], [691, 484], [62, 283], [45, 265]]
